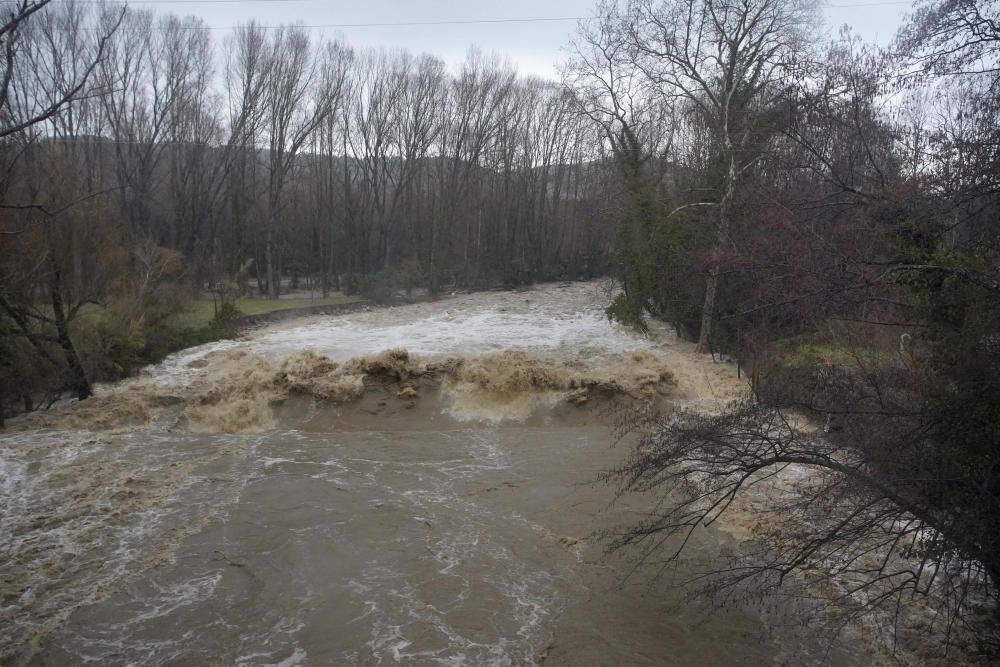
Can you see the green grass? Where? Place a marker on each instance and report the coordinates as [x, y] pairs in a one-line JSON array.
[[199, 313], [831, 354]]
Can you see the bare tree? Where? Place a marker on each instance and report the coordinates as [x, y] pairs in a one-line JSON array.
[[638, 126], [727, 59], [246, 83], [864, 515], [298, 99], [33, 91], [329, 164], [377, 95], [194, 130], [50, 99], [417, 127], [141, 75]]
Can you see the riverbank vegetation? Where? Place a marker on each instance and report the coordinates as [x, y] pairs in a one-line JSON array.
[[826, 213]]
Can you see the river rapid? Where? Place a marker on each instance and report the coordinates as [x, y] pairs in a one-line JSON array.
[[408, 485]]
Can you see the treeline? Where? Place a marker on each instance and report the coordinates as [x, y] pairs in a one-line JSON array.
[[828, 214], [138, 171], [309, 157]]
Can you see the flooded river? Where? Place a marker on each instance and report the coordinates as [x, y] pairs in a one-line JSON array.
[[305, 496]]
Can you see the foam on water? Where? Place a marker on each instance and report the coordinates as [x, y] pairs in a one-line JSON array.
[[94, 508], [181, 367], [452, 333], [547, 319]]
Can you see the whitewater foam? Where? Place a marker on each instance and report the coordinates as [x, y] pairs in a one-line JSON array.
[[513, 355], [547, 319]]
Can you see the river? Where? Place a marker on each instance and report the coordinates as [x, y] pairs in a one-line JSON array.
[[409, 485]]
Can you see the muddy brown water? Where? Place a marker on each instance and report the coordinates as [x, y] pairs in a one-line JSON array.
[[380, 530]]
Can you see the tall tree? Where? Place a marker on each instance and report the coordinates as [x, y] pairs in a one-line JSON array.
[[298, 97], [729, 60], [33, 91]]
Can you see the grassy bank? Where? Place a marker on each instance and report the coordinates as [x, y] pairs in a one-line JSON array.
[[112, 351], [201, 312], [112, 344]]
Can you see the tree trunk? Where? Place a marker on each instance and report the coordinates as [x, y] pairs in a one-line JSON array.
[[79, 384], [722, 234], [270, 261], [708, 312]]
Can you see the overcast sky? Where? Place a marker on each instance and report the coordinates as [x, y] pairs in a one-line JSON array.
[[535, 47]]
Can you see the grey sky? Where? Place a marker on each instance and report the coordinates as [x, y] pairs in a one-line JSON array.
[[535, 48]]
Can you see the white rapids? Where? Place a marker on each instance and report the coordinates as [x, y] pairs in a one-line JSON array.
[[567, 319]]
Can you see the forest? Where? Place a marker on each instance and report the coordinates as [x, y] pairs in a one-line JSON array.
[[822, 210]]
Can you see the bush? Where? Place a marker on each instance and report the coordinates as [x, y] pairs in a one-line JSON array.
[[627, 312], [352, 284], [518, 274], [380, 288], [225, 319], [121, 348], [411, 275], [27, 376]]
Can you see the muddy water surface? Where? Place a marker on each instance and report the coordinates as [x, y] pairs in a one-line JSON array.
[[269, 501]]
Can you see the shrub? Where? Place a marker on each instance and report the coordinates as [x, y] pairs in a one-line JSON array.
[[380, 288], [627, 312]]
